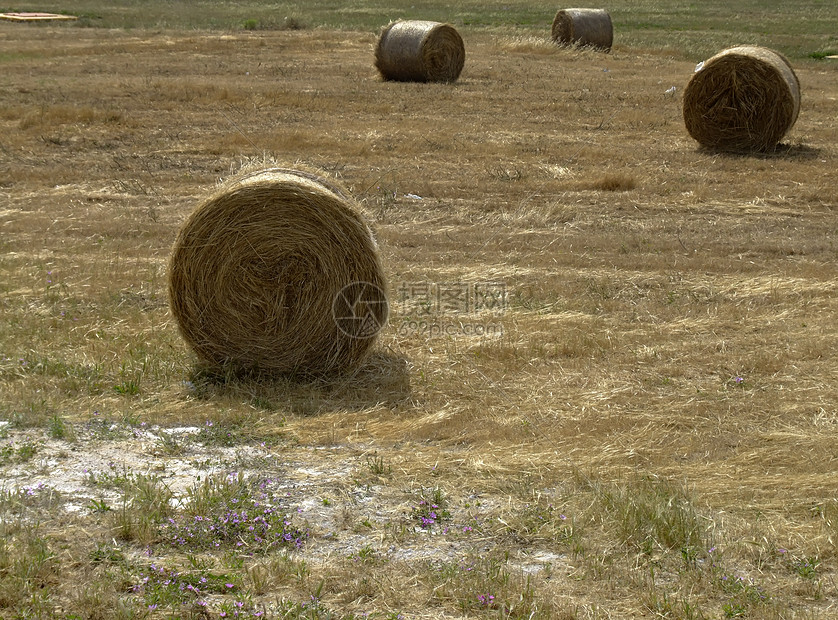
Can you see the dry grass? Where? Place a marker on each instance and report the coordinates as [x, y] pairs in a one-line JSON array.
[[650, 432]]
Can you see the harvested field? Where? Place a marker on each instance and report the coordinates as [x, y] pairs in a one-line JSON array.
[[607, 388]]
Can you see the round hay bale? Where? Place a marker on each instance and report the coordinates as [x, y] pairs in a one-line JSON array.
[[583, 27], [420, 51], [742, 99], [278, 271]]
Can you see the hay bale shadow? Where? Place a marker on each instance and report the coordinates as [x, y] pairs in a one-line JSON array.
[[800, 152], [383, 379]]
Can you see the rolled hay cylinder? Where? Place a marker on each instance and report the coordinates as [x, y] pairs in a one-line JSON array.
[[584, 28], [420, 51], [278, 272], [742, 99]]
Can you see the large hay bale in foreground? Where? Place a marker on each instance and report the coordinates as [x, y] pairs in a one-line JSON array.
[[583, 27], [278, 271], [742, 99], [420, 51]]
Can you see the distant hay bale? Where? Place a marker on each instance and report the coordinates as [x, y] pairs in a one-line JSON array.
[[36, 17], [278, 271], [742, 99], [420, 51], [583, 27]]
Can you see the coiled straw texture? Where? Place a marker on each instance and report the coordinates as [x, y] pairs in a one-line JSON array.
[[584, 28], [278, 271], [742, 99], [420, 51]]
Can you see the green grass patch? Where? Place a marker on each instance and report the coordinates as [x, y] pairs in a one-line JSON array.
[[691, 29], [230, 512]]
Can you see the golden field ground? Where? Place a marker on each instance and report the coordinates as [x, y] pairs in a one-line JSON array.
[[649, 428]]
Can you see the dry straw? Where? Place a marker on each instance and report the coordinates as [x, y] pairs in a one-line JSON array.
[[584, 28], [742, 99], [420, 51], [278, 271]]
